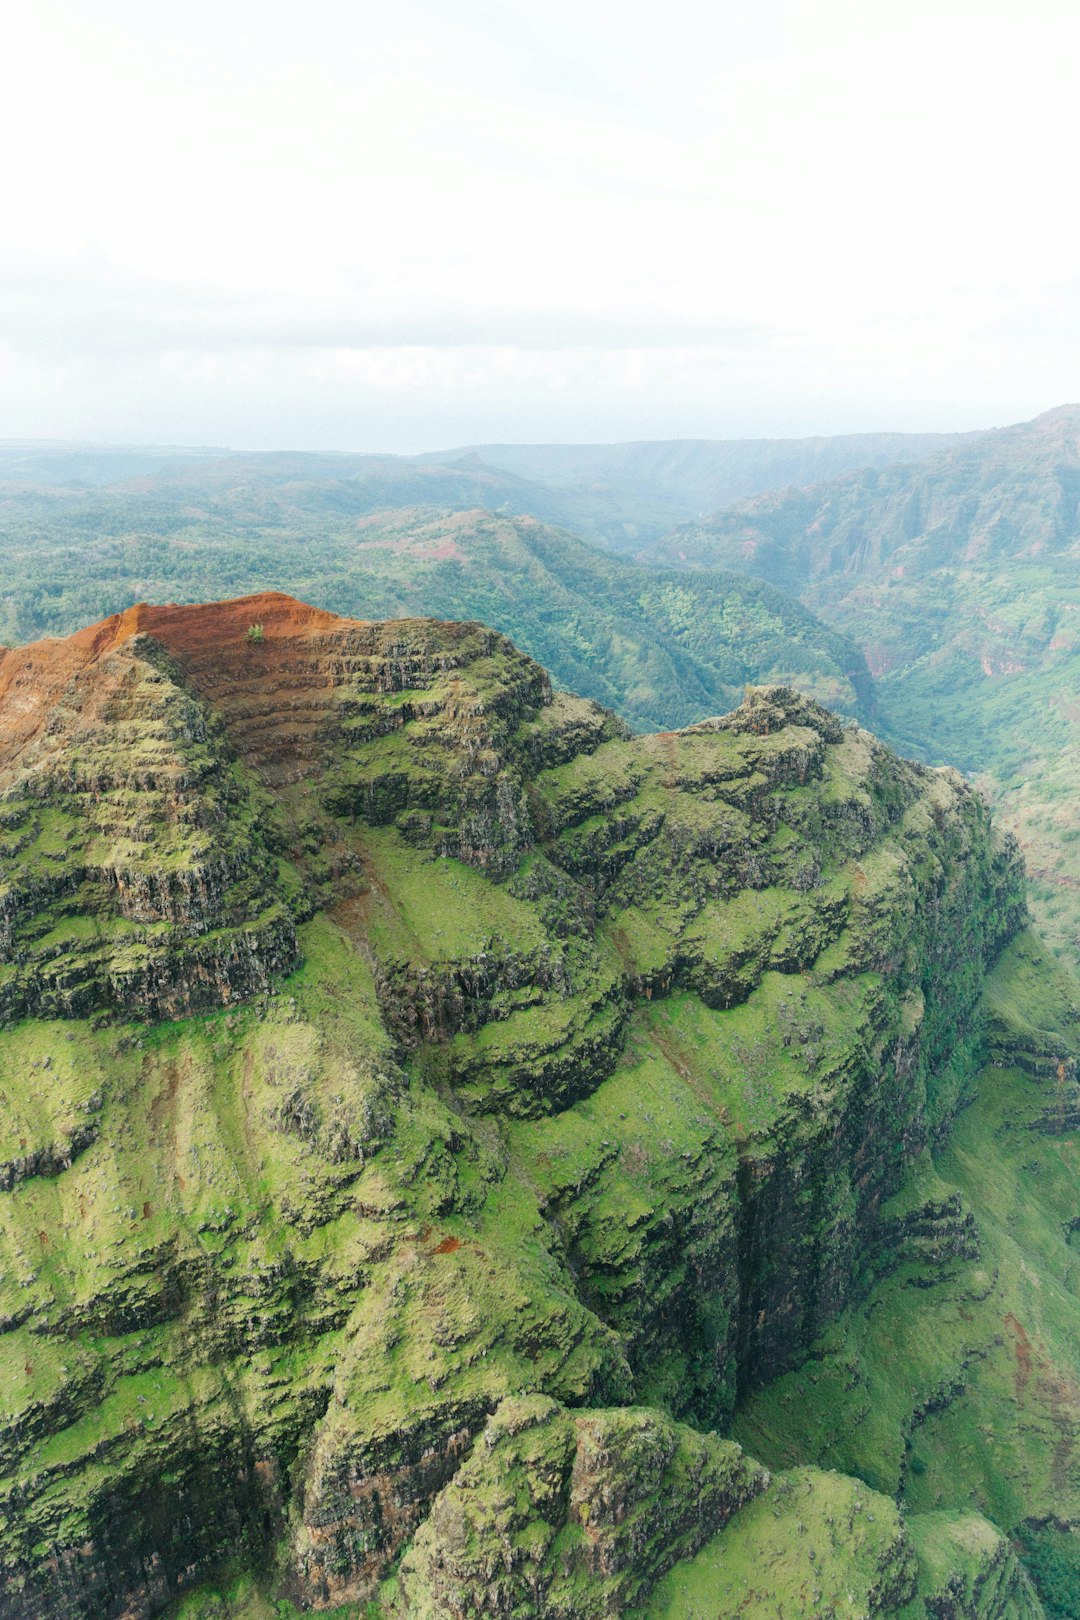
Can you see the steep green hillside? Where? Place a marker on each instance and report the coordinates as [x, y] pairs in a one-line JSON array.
[[661, 649], [958, 577], [453, 1149]]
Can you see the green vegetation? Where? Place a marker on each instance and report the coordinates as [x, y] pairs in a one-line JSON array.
[[606, 1125], [582, 1513], [815, 1545], [617, 496], [247, 1599], [663, 649], [1053, 1560], [957, 577]]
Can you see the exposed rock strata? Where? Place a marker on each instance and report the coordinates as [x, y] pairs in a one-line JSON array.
[[534, 1063]]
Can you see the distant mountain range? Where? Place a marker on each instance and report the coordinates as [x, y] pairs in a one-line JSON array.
[[661, 482], [619, 496]]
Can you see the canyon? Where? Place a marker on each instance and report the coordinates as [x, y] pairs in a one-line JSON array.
[[460, 1158]]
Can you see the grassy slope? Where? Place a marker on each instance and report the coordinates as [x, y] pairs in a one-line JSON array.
[[955, 1386], [952, 1389]]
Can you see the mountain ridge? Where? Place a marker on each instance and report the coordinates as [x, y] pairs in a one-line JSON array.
[[571, 1113], [664, 650], [956, 577], [699, 474]]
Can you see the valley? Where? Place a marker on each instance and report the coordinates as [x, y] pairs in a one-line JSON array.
[[957, 578]]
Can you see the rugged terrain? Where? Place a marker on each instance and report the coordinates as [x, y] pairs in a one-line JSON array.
[[957, 576], [660, 647], [460, 1159], [617, 496]]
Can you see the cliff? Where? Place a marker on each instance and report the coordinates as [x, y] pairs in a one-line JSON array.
[[439, 1127], [956, 577]]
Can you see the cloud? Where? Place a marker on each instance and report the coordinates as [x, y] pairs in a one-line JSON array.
[[57, 308], [1052, 321], [570, 219]]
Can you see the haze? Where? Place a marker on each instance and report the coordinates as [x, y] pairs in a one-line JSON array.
[[400, 228]]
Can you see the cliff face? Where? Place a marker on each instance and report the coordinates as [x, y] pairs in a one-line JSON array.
[[428, 1111]]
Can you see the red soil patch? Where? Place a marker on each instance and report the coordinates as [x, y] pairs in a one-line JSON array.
[[449, 1245], [1023, 1356], [32, 678], [209, 640], [212, 624], [278, 696]]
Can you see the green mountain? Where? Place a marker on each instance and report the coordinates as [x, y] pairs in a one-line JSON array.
[[661, 648], [648, 485], [157, 509], [461, 1160], [959, 577], [97, 499]]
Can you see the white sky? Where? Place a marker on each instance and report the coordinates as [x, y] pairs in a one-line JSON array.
[[419, 224]]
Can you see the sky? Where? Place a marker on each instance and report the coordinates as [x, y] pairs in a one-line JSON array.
[[415, 225]]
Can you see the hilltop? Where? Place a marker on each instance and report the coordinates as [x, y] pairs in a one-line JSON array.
[[460, 1159]]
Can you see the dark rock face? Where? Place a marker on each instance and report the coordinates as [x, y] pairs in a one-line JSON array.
[[420, 1047], [638, 1493]]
